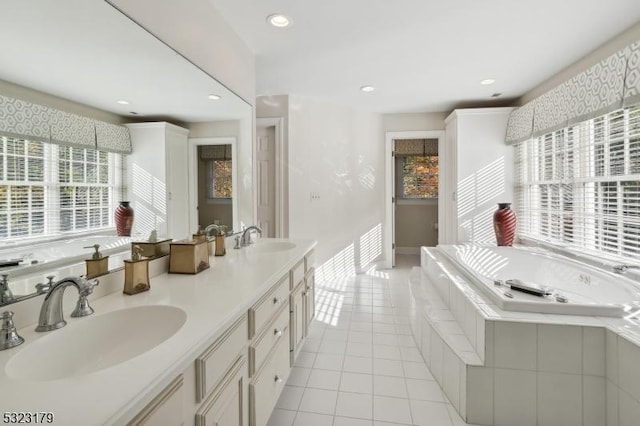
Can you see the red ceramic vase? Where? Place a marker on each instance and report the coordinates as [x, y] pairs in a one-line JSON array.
[[124, 219], [504, 224]]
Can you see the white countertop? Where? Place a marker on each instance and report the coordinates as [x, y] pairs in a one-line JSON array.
[[212, 299]]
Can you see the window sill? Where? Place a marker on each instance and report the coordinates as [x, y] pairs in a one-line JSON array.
[[416, 201], [219, 200], [603, 261]]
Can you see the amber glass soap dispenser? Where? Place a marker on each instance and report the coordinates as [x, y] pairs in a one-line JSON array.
[[136, 273], [98, 264]]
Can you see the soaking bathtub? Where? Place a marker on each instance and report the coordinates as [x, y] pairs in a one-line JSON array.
[[574, 288]]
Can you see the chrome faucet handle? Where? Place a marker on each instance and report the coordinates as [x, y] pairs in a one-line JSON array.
[[43, 288], [83, 308], [9, 337], [238, 245]]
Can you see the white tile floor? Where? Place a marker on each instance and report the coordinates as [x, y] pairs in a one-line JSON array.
[[360, 365]]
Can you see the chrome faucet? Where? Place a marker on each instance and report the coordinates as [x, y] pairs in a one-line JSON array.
[[9, 337], [621, 269], [5, 293], [246, 235], [51, 317]]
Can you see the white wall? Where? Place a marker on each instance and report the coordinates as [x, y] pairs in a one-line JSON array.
[[484, 169], [338, 154], [413, 121], [198, 31]]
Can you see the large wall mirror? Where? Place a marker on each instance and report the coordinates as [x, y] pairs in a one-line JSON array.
[[86, 58]]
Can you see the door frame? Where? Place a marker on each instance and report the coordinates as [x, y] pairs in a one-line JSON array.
[[193, 144], [278, 123], [389, 228]]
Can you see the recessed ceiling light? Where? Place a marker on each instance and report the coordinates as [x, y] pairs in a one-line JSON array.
[[487, 82], [214, 97], [367, 88], [123, 102], [278, 20]]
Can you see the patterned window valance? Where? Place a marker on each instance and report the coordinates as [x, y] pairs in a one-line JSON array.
[[404, 147], [609, 85], [26, 120]]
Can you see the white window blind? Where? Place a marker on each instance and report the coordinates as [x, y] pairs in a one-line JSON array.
[[580, 186], [48, 190]]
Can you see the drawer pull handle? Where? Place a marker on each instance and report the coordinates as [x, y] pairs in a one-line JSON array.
[[277, 379], [308, 287], [276, 300], [277, 332]]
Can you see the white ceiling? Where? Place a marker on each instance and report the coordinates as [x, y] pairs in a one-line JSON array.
[[421, 55], [88, 52]]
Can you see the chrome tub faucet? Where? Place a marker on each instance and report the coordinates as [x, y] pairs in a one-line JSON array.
[[621, 269], [51, 317]]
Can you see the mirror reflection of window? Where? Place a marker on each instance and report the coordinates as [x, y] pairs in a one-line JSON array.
[[219, 179], [48, 189]]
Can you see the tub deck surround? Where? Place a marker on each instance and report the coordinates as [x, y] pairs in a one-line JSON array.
[[212, 300], [588, 290], [538, 368]]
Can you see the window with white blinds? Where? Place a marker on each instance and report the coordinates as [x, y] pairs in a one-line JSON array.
[[48, 189], [580, 186]]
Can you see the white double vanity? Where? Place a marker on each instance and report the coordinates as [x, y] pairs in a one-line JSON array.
[[214, 348]]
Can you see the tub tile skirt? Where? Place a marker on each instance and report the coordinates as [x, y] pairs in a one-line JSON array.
[[501, 371]]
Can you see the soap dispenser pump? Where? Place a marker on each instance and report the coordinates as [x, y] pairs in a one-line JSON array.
[[136, 273], [98, 264]]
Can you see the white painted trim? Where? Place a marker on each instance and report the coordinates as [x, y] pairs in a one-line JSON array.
[[278, 123], [476, 111], [389, 181], [407, 250], [192, 157]]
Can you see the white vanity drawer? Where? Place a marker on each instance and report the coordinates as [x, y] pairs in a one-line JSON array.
[[262, 312], [165, 409], [259, 350], [297, 274], [227, 404], [214, 363], [267, 385], [309, 260]]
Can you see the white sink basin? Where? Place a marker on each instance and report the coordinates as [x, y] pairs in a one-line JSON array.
[[271, 246], [95, 343]]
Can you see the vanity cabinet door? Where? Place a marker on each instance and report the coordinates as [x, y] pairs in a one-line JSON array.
[[267, 385], [227, 404], [167, 409], [297, 318], [309, 300]]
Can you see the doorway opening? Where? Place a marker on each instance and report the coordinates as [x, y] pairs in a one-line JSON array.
[[213, 182], [271, 178], [413, 182]]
